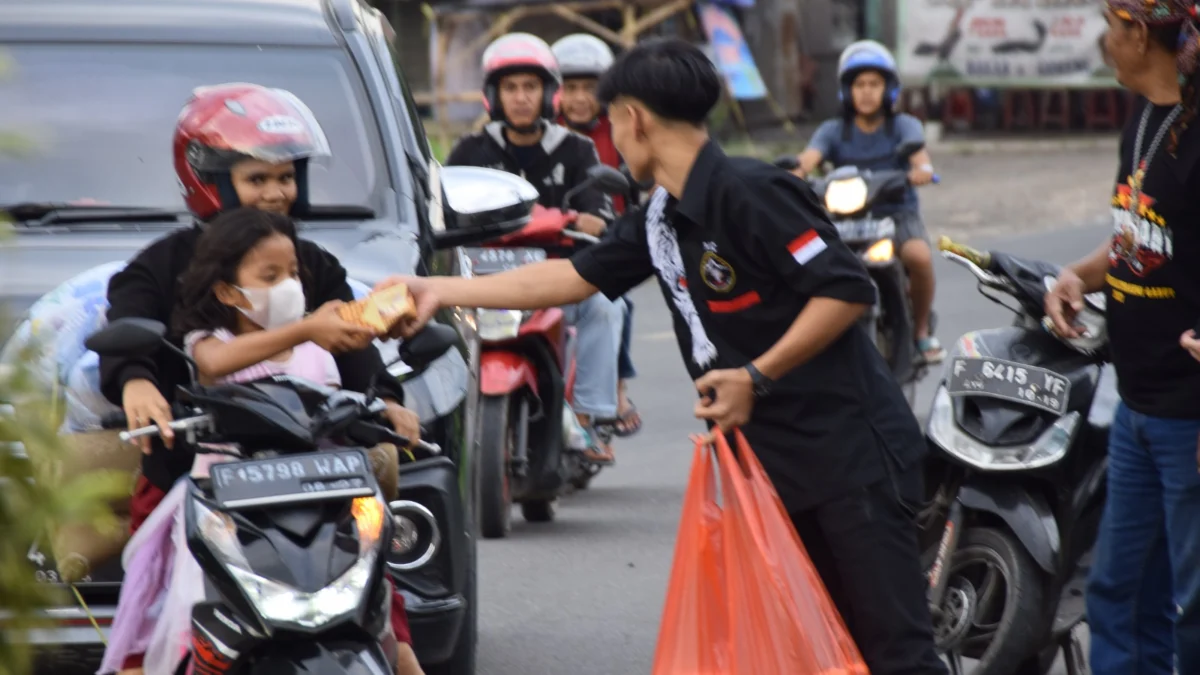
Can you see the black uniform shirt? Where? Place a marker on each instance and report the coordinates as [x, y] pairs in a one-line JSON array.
[[737, 259]]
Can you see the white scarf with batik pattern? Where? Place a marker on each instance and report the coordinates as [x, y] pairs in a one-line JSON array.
[[664, 252]]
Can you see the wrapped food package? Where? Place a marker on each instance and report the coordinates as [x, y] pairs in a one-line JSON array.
[[381, 310]]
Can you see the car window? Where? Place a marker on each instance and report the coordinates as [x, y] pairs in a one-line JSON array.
[[395, 74], [99, 118]]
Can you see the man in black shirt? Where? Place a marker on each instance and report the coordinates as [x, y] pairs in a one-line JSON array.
[[765, 299], [1143, 600]]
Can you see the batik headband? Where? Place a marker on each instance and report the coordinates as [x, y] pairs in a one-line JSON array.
[[1165, 13]]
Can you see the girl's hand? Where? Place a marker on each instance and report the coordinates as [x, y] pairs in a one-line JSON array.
[[333, 333], [144, 404]]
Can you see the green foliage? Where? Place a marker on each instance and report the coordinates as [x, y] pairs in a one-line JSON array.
[[33, 500]]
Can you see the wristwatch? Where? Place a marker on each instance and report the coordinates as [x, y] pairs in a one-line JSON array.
[[762, 383]]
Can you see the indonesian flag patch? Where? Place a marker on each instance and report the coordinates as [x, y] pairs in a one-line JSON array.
[[806, 247]]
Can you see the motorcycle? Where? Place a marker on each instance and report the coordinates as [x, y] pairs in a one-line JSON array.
[[527, 375], [1015, 476], [292, 533], [850, 196]]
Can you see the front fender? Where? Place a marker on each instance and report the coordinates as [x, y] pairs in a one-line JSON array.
[[503, 372], [341, 657], [1025, 513]]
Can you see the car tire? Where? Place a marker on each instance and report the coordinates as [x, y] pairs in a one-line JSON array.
[[495, 449]]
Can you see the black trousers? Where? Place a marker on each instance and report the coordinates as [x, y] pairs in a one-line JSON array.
[[864, 546]]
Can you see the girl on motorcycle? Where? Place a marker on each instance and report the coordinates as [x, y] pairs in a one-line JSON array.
[[236, 145]]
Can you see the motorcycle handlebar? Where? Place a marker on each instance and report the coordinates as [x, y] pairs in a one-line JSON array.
[[199, 422], [580, 236], [186, 424], [981, 258]]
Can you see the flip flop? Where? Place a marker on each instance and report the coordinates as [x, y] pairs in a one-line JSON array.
[[931, 350], [628, 424]]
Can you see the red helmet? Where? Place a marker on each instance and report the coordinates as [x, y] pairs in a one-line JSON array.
[[520, 53], [224, 124]]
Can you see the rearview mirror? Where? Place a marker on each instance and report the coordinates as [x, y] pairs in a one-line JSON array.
[[127, 337], [910, 148], [608, 179], [483, 204], [427, 346]]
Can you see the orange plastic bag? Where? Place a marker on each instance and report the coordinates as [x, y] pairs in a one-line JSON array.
[[744, 599]]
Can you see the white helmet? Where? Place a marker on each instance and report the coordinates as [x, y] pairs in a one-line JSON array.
[[582, 55]]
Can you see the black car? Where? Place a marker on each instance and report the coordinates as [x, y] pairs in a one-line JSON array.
[[94, 88]]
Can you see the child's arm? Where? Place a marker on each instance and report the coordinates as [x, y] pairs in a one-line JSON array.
[[216, 357], [920, 164]]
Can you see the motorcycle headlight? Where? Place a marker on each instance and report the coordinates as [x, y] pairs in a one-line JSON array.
[[279, 603], [844, 197], [496, 325], [1048, 448], [880, 252]]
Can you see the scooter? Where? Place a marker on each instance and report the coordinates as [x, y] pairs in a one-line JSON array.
[[1016, 476], [527, 375], [850, 196], [293, 534]]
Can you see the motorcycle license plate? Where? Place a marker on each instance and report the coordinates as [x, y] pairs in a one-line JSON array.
[[1018, 382], [495, 260], [287, 479], [854, 230]]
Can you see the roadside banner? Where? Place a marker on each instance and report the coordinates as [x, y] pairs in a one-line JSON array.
[[1003, 43], [732, 54]]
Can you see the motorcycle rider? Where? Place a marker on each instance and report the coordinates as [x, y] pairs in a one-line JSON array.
[[237, 145], [521, 84], [582, 59], [866, 136]]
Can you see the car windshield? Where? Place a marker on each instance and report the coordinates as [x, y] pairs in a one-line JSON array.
[[93, 123]]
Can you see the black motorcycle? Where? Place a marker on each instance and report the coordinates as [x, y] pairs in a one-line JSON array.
[[1016, 475], [850, 196], [293, 534]]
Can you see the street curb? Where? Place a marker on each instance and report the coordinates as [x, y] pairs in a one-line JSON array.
[[972, 147]]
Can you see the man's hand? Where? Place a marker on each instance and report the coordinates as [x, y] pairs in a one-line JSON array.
[[590, 224], [333, 333], [920, 176], [425, 301], [1191, 342], [726, 397], [1063, 302], [404, 421], [144, 404]]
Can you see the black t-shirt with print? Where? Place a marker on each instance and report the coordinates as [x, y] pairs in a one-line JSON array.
[[1153, 279], [737, 259]]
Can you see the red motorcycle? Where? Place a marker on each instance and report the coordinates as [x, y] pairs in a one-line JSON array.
[[527, 373]]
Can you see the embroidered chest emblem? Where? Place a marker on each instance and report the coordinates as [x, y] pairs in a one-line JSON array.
[[716, 272]]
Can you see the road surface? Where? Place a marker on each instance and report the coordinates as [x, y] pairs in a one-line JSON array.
[[583, 595]]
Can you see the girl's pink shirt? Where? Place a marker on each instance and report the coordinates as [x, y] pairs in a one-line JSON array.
[[308, 361]]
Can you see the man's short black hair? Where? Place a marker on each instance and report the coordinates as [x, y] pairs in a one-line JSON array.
[[673, 78]]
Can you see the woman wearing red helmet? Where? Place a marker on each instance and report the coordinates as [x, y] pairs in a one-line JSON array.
[[238, 145]]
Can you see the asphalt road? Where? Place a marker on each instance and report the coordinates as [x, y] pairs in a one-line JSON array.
[[583, 595]]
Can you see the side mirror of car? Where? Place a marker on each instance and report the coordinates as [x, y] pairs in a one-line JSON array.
[[483, 204], [428, 345]]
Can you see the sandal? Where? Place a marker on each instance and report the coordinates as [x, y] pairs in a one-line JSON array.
[[628, 423], [600, 454], [931, 349]]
